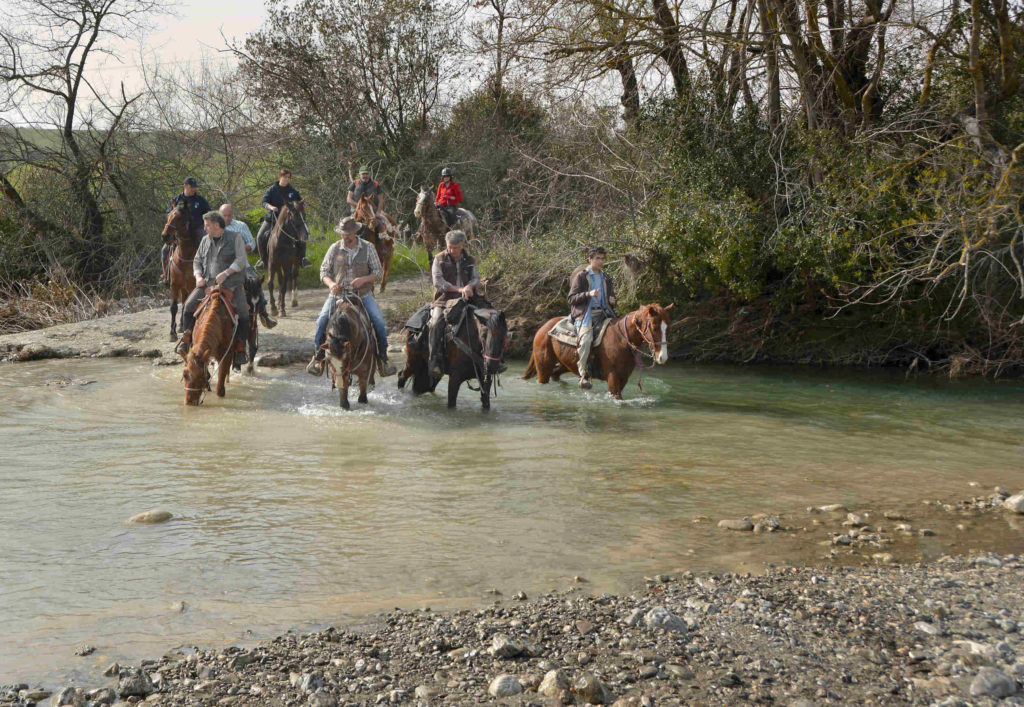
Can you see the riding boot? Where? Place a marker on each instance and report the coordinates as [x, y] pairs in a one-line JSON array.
[[262, 239], [437, 350], [315, 367], [241, 339], [385, 367], [185, 344], [261, 310]]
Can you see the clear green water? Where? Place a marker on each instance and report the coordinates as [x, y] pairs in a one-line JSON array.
[[290, 511]]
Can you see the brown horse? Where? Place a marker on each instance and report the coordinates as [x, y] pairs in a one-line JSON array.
[[351, 349], [283, 253], [616, 357], [433, 227], [383, 238], [177, 234], [213, 339], [475, 355]]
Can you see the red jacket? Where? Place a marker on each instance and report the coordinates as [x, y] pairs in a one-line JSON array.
[[448, 194]]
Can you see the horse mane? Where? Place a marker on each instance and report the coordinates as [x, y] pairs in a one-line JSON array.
[[209, 332]]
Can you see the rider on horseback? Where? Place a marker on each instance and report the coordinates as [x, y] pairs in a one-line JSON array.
[[277, 195], [223, 260], [195, 207], [592, 300], [253, 284], [366, 185], [455, 276], [350, 264], [448, 198]]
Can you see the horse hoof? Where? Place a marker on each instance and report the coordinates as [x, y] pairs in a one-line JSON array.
[[173, 337]]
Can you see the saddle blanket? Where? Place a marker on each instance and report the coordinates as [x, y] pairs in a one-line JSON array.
[[565, 332]]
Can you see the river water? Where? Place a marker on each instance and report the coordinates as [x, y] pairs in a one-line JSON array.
[[289, 511]]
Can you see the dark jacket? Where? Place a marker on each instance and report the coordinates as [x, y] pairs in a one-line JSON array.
[[368, 187], [196, 207], [278, 196], [579, 299], [446, 269]]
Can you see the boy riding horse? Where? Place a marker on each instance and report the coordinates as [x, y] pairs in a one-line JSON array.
[[277, 195], [592, 300], [195, 207]]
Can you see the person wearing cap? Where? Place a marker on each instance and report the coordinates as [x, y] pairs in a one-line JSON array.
[[277, 195], [252, 281], [350, 264], [454, 275], [366, 185], [195, 207], [220, 260], [591, 301], [448, 198]]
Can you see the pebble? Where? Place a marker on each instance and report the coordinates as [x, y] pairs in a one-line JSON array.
[[591, 690], [743, 524], [992, 682], [112, 670], [504, 647], [151, 517], [553, 683], [504, 686], [928, 628], [1015, 503], [73, 696], [660, 617], [85, 650]]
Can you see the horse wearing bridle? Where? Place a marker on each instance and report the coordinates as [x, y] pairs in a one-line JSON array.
[[351, 349], [475, 352], [213, 339], [383, 239], [283, 253], [433, 227], [177, 234], [627, 341]]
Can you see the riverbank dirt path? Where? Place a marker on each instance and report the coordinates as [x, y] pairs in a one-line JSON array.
[[146, 333]]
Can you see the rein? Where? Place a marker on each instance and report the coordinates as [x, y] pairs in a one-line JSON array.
[[638, 353], [227, 350], [368, 336]]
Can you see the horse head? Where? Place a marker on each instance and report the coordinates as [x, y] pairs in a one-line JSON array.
[[422, 200], [176, 228], [652, 321], [292, 220], [339, 333], [196, 376], [493, 334]]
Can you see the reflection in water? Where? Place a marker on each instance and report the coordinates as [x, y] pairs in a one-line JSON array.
[[289, 510]]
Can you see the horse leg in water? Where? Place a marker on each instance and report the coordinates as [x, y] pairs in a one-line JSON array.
[[174, 318], [270, 286], [283, 289], [454, 383], [222, 372], [485, 393], [252, 344], [343, 389], [363, 378]]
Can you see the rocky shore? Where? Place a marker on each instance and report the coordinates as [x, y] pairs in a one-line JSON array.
[[947, 632]]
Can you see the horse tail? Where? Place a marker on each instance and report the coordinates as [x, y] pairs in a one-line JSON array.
[[531, 367]]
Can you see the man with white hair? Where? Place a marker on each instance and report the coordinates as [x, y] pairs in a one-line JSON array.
[[253, 285], [454, 276]]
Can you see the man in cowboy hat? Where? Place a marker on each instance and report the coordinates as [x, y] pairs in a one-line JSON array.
[[350, 264], [277, 195], [366, 185]]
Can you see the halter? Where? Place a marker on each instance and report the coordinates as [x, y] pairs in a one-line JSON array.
[[638, 352]]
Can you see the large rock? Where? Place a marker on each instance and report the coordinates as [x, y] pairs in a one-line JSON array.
[[35, 352], [1015, 503], [135, 683], [151, 517], [554, 682], [102, 696], [991, 682], [322, 699], [504, 647], [743, 524], [660, 617], [591, 690], [73, 696], [504, 686]]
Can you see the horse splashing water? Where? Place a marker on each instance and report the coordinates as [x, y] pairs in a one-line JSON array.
[[213, 339], [351, 348], [619, 352]]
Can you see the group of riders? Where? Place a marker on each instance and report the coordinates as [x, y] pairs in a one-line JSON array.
[[351, 267]]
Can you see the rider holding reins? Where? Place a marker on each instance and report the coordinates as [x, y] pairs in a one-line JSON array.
[[277, 195], [592, 300], [448, 197], [195, 207]]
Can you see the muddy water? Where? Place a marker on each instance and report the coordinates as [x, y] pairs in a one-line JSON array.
[[289, 511]]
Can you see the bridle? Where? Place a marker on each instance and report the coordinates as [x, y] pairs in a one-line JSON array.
[[648, 339], [176, 235], [202, 366], [368, 336]]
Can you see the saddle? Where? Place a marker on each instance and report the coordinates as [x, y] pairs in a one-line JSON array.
[[218, 294], [565, 331]]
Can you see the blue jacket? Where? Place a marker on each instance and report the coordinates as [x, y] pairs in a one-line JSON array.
[[278, 196], [197, 206]]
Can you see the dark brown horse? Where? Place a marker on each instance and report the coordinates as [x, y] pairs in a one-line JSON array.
[[351, 349], [625, 341], [382, 235], [213, 339], [177, 234], [283, 253], [475, 354], [433, 227]]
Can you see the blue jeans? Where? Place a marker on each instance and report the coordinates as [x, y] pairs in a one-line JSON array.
[[370, 304]]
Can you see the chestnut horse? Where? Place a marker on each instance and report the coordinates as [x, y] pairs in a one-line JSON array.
[[213, 339], [351, 348], [616, 357], [433, 226], [475, 355], [383, 241], [283, 253], [178, 235]]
